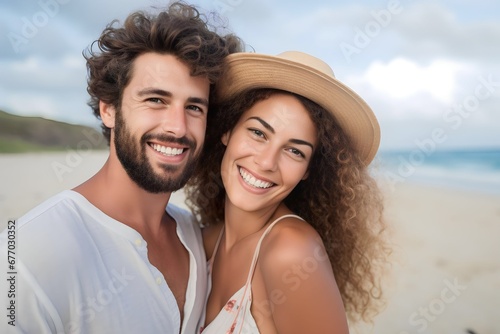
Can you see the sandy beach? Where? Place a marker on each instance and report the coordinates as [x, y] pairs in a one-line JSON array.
[[445, 277], [446, 266]]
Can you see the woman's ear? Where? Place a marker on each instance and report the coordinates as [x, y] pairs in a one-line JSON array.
[[108, 114], [225, 138], [306, 175]]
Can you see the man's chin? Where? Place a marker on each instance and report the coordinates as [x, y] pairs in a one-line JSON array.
[[170, 183], [166, 178]]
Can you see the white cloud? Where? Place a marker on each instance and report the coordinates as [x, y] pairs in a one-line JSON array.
[[402, 78]]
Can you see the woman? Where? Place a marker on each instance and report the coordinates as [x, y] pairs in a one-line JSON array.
[[292, 218]]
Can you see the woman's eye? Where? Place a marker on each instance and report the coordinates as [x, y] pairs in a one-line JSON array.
[[257, 132], [296, 152]]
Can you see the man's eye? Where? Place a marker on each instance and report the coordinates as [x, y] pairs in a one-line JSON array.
[[154, 100]]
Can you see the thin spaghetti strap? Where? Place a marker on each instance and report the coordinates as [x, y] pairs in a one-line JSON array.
[[257, 249], [211, 261], [246, 298]]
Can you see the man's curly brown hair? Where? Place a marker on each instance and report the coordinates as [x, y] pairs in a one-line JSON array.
[[180, 30], [339, 199]]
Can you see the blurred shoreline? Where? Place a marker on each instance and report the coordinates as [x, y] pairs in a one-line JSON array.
[[475, 170], [445, 274]]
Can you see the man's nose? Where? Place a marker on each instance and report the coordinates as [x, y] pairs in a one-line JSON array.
[[174, 121]]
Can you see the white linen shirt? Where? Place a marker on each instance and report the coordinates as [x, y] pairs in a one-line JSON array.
[[80, 271]]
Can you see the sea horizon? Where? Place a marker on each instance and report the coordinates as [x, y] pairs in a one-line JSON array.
[[466, 169]]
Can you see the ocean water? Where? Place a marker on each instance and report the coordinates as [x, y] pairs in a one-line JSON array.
[[477, 170]]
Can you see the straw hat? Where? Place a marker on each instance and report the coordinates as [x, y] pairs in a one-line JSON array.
[[303, 74]]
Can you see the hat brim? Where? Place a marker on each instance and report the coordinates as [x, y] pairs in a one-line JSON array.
[[247, 71]]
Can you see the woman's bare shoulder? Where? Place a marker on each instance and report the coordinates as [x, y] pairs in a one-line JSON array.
[[295, 266], [290, 241]]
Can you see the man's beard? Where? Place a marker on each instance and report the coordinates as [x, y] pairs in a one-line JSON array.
[[135, 162]]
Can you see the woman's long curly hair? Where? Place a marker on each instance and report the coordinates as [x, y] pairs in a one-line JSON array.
[[180, 30], [339, 199]]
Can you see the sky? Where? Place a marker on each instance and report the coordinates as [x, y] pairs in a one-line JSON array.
[[430, 70]]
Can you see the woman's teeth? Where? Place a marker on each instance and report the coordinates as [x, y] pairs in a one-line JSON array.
[[252, 181]]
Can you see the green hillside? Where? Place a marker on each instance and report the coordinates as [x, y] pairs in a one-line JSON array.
[[34, 134]]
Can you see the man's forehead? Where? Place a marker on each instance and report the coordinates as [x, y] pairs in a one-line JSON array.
[[158, 70]]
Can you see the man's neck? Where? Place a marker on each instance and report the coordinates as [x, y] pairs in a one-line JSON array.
[[112, 191]]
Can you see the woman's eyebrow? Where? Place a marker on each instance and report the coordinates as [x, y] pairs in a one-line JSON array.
[[301, 142], [270, 128], [264, 123]]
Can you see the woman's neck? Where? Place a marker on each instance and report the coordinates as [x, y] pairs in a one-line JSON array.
[[240, 224]]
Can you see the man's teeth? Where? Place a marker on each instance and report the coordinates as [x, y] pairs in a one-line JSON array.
[[251, 180], [167, 150]]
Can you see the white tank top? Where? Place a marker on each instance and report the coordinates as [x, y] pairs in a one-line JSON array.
[[235, 316]]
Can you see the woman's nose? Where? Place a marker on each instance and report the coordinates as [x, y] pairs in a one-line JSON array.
[[266, 158]]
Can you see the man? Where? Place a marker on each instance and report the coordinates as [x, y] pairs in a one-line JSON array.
[[110, 256]]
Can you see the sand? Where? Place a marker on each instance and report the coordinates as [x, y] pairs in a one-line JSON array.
[[445, 277], [446, 263]]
